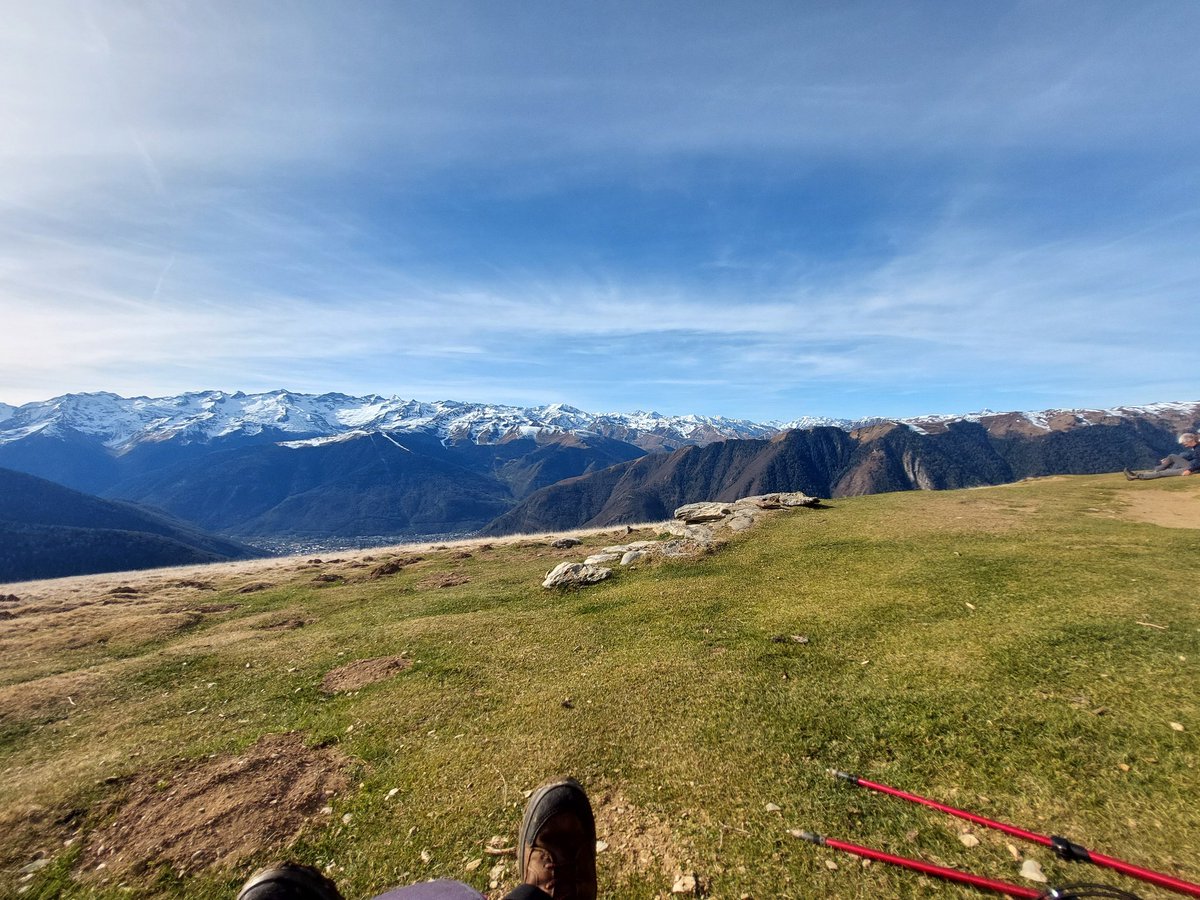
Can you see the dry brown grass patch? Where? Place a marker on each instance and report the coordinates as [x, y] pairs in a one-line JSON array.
[[1170, 510]]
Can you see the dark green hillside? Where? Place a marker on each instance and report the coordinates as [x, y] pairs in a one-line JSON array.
[[47, 531]]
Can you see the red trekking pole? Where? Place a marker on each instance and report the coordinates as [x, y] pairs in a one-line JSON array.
[[975, 881], [1062, 847]]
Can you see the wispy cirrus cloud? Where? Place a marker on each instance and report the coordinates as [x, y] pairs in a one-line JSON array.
[[765, 211]]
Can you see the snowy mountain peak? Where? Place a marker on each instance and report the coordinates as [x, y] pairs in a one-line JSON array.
[[295, 420], [301, 419]]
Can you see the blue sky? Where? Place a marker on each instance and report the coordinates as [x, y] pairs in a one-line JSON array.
[[762, 210]]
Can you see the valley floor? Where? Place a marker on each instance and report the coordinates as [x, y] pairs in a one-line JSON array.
[[1026, 651]]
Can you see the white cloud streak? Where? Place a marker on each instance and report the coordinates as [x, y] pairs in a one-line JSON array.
[[137, 251]]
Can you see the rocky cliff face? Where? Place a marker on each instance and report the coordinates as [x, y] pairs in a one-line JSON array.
[[831, 462]]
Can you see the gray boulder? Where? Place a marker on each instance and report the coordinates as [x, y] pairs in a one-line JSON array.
[[570, 574], [697, 513]]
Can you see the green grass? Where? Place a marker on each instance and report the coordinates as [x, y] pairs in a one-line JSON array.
[[1046, 705]]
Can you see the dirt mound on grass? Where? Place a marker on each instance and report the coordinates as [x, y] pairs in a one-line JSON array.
[[361, 672], [217, 812], [443, 580]]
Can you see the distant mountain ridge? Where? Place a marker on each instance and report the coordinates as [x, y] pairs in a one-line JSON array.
[[832, 462], [289, 471], [121, 424]]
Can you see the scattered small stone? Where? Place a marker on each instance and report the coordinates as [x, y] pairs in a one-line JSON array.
[[684, 884], [1013, 852], [496, 873], [968, 839], [601, 846], [1176, 726], [392, 793], [911, 835], [36, 866], [1124, 767], [1031, 870], [831, 865], [474, 864], [346, 818], [566, 543], [568, 703], [773, 807], [426, 857]]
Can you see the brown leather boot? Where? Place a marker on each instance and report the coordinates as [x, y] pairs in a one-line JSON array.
[[556, 850]]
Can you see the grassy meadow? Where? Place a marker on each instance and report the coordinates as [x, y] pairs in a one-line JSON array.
[[1028, 652]]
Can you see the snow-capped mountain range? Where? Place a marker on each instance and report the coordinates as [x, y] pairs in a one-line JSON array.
[[122, 423], [299, 420]]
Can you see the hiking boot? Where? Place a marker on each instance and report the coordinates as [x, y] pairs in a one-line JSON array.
[[289, 881], [556, 848], [1130, 475]]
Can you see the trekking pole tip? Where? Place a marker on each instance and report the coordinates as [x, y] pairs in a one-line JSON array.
[[812, 837], [844, 776]]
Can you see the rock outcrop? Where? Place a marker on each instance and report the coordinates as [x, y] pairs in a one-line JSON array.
[[694, 530]]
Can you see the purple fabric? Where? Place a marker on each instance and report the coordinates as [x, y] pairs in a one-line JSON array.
[[443, 889]]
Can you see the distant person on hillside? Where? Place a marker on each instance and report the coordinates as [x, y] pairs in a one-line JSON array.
[[556, 859], [1185, 462]]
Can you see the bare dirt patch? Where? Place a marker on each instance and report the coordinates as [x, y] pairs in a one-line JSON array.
[[638, 841], [284, 625], [254, 587], [213, 607], [193, 583], [217, 812], [1170, 510], [443, 580], [362, 672], [392, 566]]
